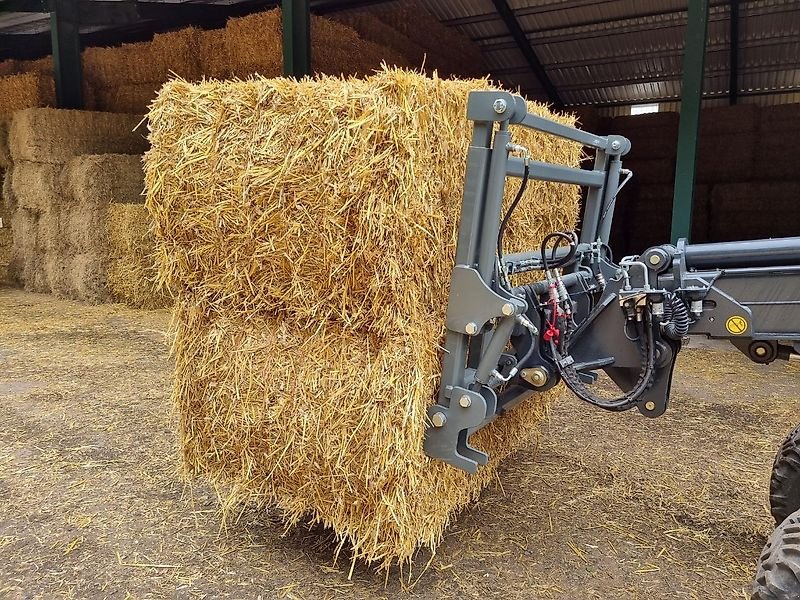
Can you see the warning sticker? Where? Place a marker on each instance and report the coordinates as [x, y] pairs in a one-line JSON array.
[[736, 325]]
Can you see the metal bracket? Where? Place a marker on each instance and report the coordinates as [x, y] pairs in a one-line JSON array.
[[448, 439], [472, 303]]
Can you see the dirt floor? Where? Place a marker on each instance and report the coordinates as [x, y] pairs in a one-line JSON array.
[[609, 505]]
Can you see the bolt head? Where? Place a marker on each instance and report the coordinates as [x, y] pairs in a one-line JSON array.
[[499, 106], [471, 328], [655, 259], [465, 401], [508, 309], [538, 377], [615, 145], [650, 405], [438, 419]]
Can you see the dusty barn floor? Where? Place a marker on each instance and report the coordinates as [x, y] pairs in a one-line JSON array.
[[609, 506]]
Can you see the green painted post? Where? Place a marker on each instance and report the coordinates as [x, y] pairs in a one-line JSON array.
[[65, 37], [296, 38], [691, 95]]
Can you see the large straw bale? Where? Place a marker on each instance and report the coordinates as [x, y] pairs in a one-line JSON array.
[[374, 30], [308, 229], [336, 49], [54, 135], [26, 258], [132, 273], [25, 90], [739, 119], [653, 135], [36, 185], [778, 119], [50, 232], [56, 272]]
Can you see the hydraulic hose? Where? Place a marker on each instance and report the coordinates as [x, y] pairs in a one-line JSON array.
[[677, 316]]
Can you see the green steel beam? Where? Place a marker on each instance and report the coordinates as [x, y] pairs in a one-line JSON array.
[[66, 41], [296, 38], [688, 129]]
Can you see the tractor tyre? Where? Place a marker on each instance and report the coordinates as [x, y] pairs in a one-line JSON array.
[[778, 569], [784, 485]]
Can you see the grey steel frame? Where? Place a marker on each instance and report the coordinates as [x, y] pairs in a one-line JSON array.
[[476, 297]]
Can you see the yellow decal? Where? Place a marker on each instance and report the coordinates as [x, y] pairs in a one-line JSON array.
[[736, 325]]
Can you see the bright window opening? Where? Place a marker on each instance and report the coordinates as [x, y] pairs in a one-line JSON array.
[[643, 109]]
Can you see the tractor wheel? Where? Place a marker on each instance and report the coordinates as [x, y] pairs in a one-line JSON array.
[[784, 486], [778, 568]]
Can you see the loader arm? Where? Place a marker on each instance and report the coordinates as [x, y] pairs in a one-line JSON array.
[[587, 314]]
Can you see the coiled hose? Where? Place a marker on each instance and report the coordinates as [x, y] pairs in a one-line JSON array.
[[676, 317]]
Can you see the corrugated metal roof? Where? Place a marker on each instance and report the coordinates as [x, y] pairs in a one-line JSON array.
[[627, 51]]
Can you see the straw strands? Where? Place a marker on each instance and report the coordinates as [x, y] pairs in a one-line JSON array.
[[308, 229]]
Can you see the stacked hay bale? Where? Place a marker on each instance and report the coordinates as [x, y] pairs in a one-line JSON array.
[[7, 270], [754, 210], [126, 78], [107, 231], [25, 90], [42, 142], [336, 49], [448, 50], [309, 229]]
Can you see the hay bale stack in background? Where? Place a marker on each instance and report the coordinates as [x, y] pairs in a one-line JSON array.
[[336, 49], [7, 269], [25, 90], [459, 55], [311, 274], [49, 135], [107, 232], [132, 273], [746, 211], [41, 141], [125, 78]]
